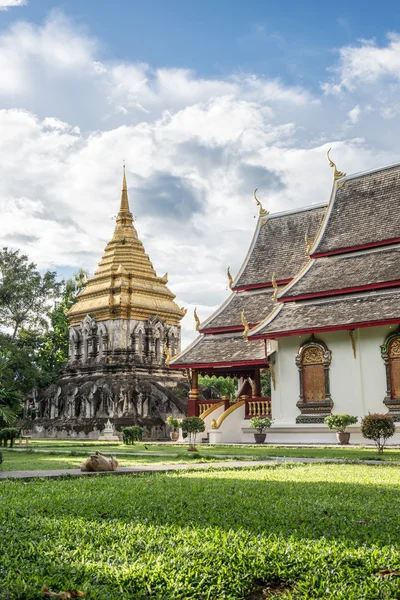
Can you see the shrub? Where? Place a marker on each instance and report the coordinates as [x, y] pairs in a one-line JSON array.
[[260, 425], [340, 422], [192, 426], [378, 428], [173, 422], [132, 434], [8, 434]]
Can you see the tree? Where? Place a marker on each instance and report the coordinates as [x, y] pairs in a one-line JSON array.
[[10, 401], [379, 428], [226, 386], [192, 426], [25, 294]]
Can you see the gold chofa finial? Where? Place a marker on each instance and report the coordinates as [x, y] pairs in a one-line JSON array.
[[308, 244], [245, 325], [230, 278], [336, 174], [196, 318], [275, 286], [167, 354], [263, 212]]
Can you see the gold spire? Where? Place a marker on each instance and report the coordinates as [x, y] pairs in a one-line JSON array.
[[275, 286], [196, 318], [230, 278], [263, 212], [245, 325], [125, 284], [336, 173]]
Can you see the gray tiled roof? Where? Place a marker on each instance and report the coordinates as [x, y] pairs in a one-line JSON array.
[[366, 210], [349, 270], [336, 311], [221, 348], [280, 247], [256, 304]]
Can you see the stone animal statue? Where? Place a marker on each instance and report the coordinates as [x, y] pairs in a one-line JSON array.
[[97, 463]]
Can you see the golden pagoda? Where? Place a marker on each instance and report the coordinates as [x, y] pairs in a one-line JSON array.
[[125, 284]]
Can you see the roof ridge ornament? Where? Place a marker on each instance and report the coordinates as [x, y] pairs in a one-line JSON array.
[[263, 212], [336, 173], [230, 278], [275, 286], [196, 318], [245, 325]]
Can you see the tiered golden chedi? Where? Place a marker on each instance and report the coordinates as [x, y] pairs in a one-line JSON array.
[[125, 285]]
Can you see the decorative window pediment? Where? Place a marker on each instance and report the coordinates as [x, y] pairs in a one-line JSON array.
[[313, 361]]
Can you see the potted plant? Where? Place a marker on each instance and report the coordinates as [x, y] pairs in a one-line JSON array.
[[260, 425], [192, 426], [340, 422], [175, 424]]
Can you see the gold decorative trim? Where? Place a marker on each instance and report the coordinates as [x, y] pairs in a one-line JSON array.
[[196, 318], [263, 212], [230, 278], [167, 354], [336, 173], [225, 414], [308, 244], [211, 409], [245, 325], [275, 286]]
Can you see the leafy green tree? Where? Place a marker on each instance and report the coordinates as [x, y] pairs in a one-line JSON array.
[[266, 384], [226, 386], [25, 294], [10, 400]]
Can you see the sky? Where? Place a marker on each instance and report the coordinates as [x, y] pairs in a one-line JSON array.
[[205, 101]]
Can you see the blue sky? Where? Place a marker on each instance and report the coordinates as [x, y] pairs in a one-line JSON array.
[[205, 101], [290, 39]]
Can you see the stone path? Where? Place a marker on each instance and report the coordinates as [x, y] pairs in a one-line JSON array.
[[159, 468]]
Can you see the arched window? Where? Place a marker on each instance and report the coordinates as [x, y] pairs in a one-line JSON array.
[[313, 360], [391, 355]]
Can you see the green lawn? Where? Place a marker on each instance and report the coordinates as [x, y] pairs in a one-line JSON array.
[[302, 531], [31, 461], [256, 451]]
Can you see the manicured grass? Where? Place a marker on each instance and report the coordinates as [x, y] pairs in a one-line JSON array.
[[30, 461], [341, 452], [309, 531]]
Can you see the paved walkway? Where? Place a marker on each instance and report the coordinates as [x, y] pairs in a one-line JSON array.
[[159, 468]]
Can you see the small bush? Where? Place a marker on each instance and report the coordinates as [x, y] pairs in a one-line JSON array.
[[378, 428], [132, 434], [340, 422], [173, 422], [192, 426], [8, 434], [260, 425]]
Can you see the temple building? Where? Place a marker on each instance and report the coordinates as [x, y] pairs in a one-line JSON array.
[[330, 333], [123, 326]]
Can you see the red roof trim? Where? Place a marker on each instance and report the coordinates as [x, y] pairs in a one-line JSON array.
[[349, 290], [226, 329], [243, 363], [309, 330], [256, 286], [354, 248]]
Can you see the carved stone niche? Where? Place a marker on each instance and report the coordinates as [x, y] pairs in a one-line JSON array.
[[313, 361], [390, 352]]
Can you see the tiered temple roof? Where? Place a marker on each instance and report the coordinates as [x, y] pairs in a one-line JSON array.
[[278, 249], [353, 277], [125, 285]]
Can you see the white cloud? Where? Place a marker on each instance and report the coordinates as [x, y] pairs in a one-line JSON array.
[[195, 150], [6, 4]]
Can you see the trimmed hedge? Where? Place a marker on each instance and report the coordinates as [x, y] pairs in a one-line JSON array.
[[8, 434], [133, 434], [379, 428]]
